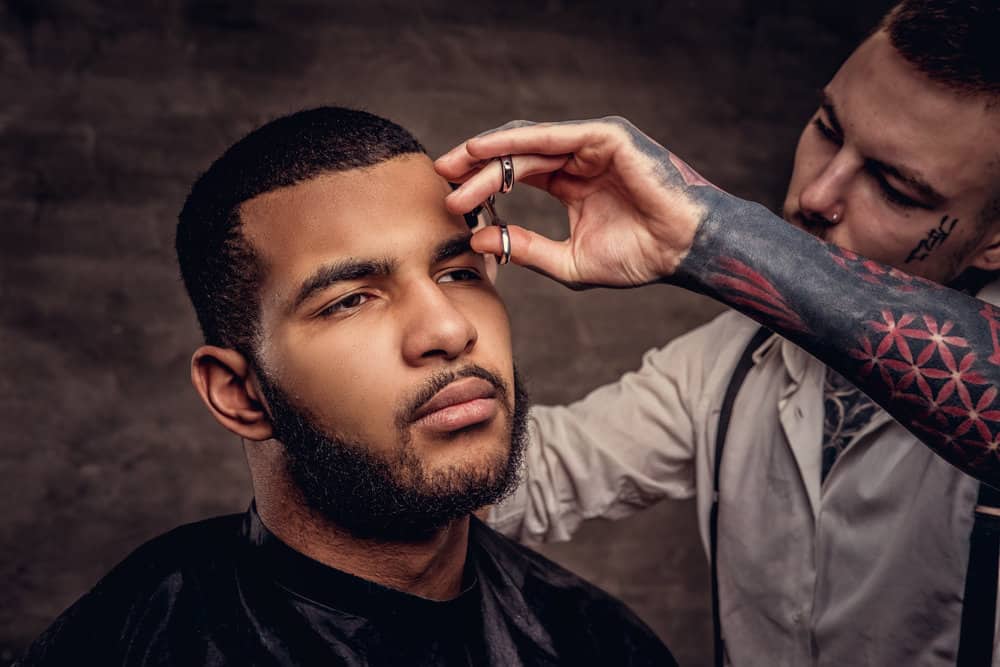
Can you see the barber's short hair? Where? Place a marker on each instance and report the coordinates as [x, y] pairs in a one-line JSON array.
[[953, 42], [221, 270]]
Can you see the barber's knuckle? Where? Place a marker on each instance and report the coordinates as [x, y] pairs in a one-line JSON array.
[[618, 122]]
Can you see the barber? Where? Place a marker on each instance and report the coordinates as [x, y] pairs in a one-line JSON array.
[[839, 537]]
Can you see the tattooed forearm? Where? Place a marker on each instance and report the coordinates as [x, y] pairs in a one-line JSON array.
[[689, 175], [935, 237], [929, 355]]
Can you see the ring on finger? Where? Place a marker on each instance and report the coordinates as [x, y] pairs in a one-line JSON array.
[[506, 174], [504, 244]]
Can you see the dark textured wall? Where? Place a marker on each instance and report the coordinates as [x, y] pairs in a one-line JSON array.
[[109, 110]]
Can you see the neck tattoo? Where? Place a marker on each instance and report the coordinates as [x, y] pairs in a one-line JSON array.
[[847, 412]]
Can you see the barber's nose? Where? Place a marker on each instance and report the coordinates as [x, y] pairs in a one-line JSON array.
[[435, 328], [822, 200]]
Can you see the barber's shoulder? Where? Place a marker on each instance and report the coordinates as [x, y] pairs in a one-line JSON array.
[[701, 351]]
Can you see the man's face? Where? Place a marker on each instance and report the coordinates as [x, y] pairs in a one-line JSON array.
[[896, 167], [383, 341]]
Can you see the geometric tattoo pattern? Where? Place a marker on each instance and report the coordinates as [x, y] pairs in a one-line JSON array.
[[921, 361], [930, 357], [847, 412]]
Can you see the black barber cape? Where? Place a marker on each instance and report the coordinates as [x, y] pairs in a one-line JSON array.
[[225, 591]]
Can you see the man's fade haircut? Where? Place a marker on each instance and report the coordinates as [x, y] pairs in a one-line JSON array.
[[221, 270], [953, 42]]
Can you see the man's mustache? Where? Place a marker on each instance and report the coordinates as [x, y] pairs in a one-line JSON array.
[[435, 383]]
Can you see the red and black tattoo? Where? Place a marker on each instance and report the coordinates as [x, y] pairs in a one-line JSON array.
[[927, 354]]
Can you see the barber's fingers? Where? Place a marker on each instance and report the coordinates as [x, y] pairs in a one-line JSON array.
[[457, 164], [531, 250], [530, 169], [583, 139]]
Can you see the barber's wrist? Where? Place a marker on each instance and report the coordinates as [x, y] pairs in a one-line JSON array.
[[721, 232]]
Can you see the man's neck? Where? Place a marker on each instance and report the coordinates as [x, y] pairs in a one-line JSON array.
[[431, 568]]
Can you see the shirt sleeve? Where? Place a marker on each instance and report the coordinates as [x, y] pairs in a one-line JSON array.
[[623, 447]]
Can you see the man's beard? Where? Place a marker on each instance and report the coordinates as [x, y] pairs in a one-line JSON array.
[[391, 496]]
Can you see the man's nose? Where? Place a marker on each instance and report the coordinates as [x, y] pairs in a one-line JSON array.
[[435, 328], [823, 200]]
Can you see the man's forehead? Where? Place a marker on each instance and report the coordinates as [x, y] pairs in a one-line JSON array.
[[354, 206], [394, 209]]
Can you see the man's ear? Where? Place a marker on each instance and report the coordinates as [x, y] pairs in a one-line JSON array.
[[225, 380]]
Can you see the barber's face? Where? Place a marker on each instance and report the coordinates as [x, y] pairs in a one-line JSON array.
[[897, 168], [380, 325]]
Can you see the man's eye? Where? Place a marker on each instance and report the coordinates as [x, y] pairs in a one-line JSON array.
[[349, 302], [459, 275], [828, 132]]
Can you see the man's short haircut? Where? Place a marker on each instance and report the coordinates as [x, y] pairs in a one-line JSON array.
[[952, 42], [221, 270]]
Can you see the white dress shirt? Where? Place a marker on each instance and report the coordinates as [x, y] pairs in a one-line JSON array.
[[866, 569]]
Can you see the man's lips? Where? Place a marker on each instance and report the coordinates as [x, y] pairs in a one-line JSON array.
[[462, 403]]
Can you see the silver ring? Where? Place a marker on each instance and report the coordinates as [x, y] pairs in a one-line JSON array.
[[506, 174], [504, 244]]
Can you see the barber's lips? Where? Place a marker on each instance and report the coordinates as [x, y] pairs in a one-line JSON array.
[[462, 403]]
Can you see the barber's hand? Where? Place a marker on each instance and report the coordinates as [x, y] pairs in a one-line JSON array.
[[633, 207]]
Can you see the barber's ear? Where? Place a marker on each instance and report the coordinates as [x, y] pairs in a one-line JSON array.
[[227, 384], [988, 257]]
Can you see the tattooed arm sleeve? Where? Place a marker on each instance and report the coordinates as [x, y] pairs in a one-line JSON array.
[[928, 354]]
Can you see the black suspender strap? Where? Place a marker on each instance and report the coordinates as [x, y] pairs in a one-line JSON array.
[[975, 647], [739, 375], [975, 644]]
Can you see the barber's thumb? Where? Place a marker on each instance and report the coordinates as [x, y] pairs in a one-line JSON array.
[[527, 249]]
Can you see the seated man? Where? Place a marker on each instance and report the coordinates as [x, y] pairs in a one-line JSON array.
[[355, 344]]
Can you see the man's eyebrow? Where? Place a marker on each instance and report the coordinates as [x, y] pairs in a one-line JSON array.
[[453, 247], [340, 271], [910, 178]]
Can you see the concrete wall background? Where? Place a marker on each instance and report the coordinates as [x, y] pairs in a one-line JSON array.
[[109, 110]]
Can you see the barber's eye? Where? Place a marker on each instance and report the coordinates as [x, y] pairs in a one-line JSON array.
[[891, 194], [349, 302], [459, 275], [896, 197], [828, 132]]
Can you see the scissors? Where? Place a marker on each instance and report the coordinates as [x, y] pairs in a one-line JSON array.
[[495, 219]]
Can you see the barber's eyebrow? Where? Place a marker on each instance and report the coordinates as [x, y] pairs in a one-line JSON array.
[[827, 104], [338, 272], [929, 196]]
